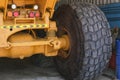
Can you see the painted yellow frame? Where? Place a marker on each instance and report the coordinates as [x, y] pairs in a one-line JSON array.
[[13, 42]]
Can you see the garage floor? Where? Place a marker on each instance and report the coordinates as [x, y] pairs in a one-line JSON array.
[[24, 70]]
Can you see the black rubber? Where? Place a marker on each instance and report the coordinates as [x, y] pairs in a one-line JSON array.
[[90, 40]]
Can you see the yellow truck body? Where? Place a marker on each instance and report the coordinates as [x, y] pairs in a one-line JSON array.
[[17, 16]]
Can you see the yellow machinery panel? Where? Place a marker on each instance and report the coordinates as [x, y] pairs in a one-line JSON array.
[[23, 2], [46, 4], [43, 5], [3, 3], [19, 22]]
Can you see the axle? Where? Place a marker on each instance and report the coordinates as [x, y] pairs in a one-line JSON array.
[[23, 45]]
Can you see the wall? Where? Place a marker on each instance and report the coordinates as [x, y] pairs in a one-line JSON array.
[[98, 2]]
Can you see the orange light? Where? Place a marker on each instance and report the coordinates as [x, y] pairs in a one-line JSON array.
[[9, 14]]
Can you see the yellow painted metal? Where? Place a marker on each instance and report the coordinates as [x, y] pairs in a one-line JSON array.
[[65, 42], [46, 5], [9, 30], [51, 6], [2, 3], [23, 2], [1, 18], [16, 44], [24, 20], [24, 45]]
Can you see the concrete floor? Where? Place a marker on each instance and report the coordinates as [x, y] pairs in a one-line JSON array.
[[23, 70]]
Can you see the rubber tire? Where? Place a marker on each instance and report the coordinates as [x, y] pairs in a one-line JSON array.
[[90, 40]]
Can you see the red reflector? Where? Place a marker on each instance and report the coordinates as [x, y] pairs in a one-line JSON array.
[[37, 14], [9, 13], [16, 13], [31, 15]]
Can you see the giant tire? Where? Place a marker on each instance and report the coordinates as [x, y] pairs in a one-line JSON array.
[[90, 41]]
